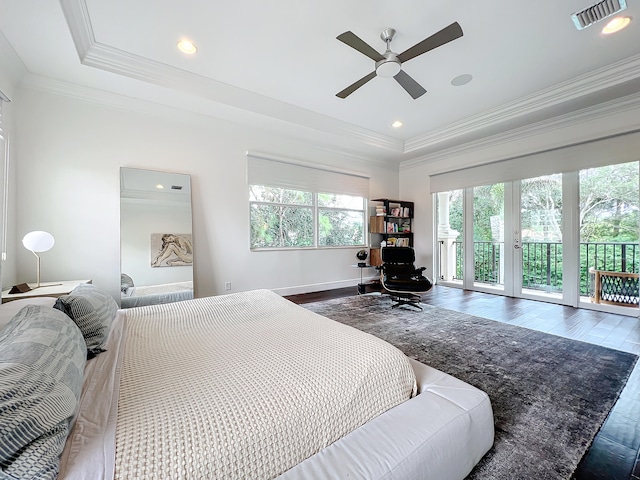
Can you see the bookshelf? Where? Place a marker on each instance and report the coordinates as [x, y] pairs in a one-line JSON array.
[[391, 221]]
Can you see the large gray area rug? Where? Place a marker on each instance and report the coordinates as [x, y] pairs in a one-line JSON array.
[[550, 395]]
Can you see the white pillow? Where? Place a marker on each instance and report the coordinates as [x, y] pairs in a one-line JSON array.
[[9, 309]]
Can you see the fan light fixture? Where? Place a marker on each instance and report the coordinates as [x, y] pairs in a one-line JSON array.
[[38, 241], [387, 68]]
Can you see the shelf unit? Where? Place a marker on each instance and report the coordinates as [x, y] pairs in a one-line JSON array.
[[392, 222]]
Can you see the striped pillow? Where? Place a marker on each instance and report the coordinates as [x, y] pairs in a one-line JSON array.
[[42, 358], [93, 310]]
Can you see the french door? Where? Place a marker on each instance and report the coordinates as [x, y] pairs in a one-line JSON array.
[[514, 239], [541, 238]]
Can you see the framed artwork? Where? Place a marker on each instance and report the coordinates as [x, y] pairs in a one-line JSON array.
[[171, 249]]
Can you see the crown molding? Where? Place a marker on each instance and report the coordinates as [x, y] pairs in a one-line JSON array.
[[77, 16], [100, 97], [104, 57], [541, 129], [602, 78], [12, 69], [122, 102]]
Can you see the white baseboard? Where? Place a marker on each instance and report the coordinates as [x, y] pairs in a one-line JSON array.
[[318, 287]]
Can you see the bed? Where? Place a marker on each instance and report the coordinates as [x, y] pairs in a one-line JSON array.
[[246, 385], [142, 295]]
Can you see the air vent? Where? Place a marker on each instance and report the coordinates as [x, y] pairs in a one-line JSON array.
[[597, 12], [176, 187]]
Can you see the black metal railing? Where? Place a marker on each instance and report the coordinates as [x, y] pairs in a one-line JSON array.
[[542, 262], [486, 256], [542, 266]]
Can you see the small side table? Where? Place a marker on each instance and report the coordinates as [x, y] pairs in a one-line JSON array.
[[47, 289], [361, 285]]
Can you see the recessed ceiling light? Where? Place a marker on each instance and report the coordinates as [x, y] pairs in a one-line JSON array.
[[159, 186], [396, 124], [187, 46], [461, 80], [616, 25]]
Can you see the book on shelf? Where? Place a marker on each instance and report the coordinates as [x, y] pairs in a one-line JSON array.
[[402, 242], [395, 242], [381, 210], [406, 212]]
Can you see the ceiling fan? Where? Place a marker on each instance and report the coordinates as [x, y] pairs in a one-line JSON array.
[[389, 64]]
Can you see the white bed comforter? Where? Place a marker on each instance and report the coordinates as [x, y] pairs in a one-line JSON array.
[[245, 386]]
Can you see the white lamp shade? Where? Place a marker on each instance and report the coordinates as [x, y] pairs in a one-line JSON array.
[[38, 241]]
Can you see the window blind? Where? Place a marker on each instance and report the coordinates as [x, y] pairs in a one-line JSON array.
[[284, 173], [608, 151]]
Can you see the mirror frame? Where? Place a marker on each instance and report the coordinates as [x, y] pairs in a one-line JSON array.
[[156, 249]]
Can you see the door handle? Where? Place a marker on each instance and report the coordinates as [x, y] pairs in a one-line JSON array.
[[516, 246]]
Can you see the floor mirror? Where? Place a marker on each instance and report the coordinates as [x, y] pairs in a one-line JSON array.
[[156, 247]]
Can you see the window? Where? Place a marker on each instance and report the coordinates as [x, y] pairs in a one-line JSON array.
[[297, 206], [284, 218], [341, 220], [280, 217]]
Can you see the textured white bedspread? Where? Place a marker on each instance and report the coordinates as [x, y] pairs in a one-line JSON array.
[[245, 386]]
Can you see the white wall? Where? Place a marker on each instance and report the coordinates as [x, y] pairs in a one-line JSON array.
[[415, 188], [68, 154], [8, 266]]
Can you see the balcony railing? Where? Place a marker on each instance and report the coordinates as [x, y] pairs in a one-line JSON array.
[[542, 262]]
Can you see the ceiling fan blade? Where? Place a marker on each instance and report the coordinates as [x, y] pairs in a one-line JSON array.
[[412, 87], [353, 87], [356, 42], [445, 35]]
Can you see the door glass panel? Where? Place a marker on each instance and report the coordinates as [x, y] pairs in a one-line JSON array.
[[488, 235], [609, 218], [541, 234], [450, 235]]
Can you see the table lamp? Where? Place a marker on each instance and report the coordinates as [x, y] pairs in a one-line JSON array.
[[38, 241]]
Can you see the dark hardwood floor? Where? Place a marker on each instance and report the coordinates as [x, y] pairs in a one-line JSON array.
[[615, 452]]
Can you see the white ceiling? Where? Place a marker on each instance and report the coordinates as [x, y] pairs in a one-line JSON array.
[[278, 64]]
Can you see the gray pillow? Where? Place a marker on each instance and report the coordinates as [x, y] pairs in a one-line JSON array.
[[42, 359], [126, 282], [93, 310], [8, 310]]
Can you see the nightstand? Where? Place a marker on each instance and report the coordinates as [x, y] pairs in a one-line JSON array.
[[361, 286], [47, 289]]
